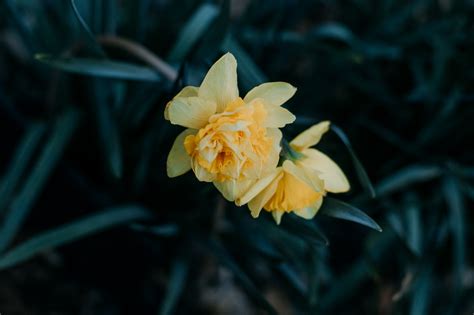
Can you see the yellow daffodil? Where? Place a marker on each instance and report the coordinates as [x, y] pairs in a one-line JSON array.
[[229, 141], [300, 183]]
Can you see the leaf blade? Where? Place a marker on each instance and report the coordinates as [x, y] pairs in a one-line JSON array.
[[337, 209], [100, 68], [70, 232]]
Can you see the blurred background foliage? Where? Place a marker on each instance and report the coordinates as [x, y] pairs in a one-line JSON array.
[[90, 224]]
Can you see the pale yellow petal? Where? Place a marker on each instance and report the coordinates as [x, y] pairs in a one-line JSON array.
[[258, 187], [277, 116], [256, 204], [201, 173], [309, 212], [220, 83], [179, 162], [273, 93], [310, 136], [274, 154], [277, 216], [233, 189], [191, 112], [334, 179], [305, 174], [187, 91]]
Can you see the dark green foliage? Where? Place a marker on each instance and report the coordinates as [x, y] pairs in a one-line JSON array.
[[84, 148]]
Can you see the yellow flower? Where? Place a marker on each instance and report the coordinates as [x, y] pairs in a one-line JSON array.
[[298, 185], [230, 141]]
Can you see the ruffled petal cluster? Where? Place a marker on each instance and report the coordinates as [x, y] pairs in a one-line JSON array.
[[235, 143]]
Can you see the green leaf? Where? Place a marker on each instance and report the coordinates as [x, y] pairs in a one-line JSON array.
[[176, 284], [341, 210], [71, 232], [421, 293], [249, 72], [408, 176], [100, 68], [87, 31], [34, 183], [305, 229], [360, 170], [334, 31], [19, 162], [455, 202], [192, 31], [253, 292], [108, 131]]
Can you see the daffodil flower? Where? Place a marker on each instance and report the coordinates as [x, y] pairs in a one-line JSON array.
[[300, 183], [229, 141]]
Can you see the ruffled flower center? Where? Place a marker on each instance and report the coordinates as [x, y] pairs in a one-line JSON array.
[[233, 145]]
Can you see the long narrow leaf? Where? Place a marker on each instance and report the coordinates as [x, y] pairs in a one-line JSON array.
[[192, 31], [100, 68], [408, 176], [72, 232], [341, 210], [20, 160], [361, 173], [108, 131], [87, 31], [455, 202], [33, 185], [247, 284], [176, 284]]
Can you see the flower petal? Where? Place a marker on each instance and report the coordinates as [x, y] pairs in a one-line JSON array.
[[273, 93], [277, 116], [277, 216], [305, 174], [179, 162], [274, 154], [201, 173], [191, 112], [257, 203], [309, 212], [233, 189], [334, 179], [310, 137], [220, 83], [258, 187], [187, 91]]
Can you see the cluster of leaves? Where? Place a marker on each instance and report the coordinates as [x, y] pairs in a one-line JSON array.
[[87, 147]]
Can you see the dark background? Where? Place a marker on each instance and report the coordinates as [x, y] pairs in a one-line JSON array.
[[90, 223]]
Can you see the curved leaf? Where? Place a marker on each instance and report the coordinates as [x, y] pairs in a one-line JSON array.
[[341, 210], [71, 232], [100, 68]]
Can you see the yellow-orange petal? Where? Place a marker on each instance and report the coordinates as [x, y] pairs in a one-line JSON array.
[[273, 93], [232, 189], [220, 83], [179, 162], [190, 112], [310, 137], [334, 179]]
